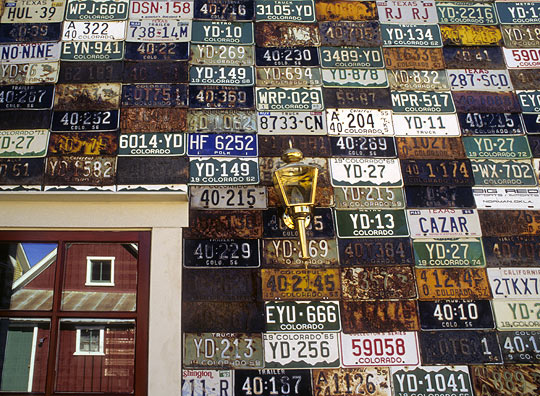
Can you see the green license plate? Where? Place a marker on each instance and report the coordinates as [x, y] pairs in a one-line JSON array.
[[497, 147], [362, 78], [285, 11], [92, 50], [221, 75], [289, 99], [462, 252], [103, 10], [213, 32], [152, 144], [302, 316], [366, 57], [223, 171], [425, 36], [503, 173], [370, 223], [432, 381], [422, 102], [465, 13]]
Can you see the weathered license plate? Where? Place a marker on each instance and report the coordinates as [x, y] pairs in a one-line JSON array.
[[369, 223], [449, 223], [345, 10], [521, 36], [526, 58], [90, 72], [359, 122], [99, 96], [206, 382], [222, 32], [25, 119], [423, 102], [350, 33], [29, 32], [223, 350], [462, 252], [407, 12], [222, 75], [490, 124], [503, 173], [220, 253], [520, 346], [288, 76], [222, 144], [91, 10], [220, 97], [361, 78], [268, 382], [225, 54], [379, 316], [161, 9], [287, 34], [29, 53], [302, 316], [437, 172], [509, 222], [375, 251], [310, 146], [222, 316], [486, 102], [524, 79], [379, 349], [413, 58], [300, 284], [289, 99], [411, 80], [223, 171], [365, 98], [142, 119], [94, 31], [517, 283], [307, 56], [154, 95], [488, 379], [158, 31], [157, 51], [228, 197], [320, 227], [225, 10], [83, 143], [365, 57], [432, 381], [365, 172], [361, 146], [291, 123], [419, 35], [439, 197], [517, 314], [518, 12], [459, 347], [27, 12], [426, 125], [285, 253], [66, 121], [336, 382], [474, 58], [222, 121], [369, 198], [377, 283], [285, 11], [224, 224], [451, 314], [429, 148], [21, 171], [155, 72], [23, 143], [470, 35], [507, 198], [152, 144], [459, 12], [497, 147], [480, 80], [29, 73], [26, 97], [452, 283], [92, 50], [80, 170]]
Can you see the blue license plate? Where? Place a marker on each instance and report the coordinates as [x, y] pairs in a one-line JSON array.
[[157, 51], [222, 145], [154, 95], [29, 32]]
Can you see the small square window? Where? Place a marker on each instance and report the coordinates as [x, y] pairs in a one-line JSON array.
[[90, 341], [99, 271]]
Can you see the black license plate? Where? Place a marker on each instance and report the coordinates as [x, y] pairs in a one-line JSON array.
[[350, 33], [459, 347], [534, 143], [437, 172], [160, 72], [272, 382], [320, 227], [524, 79], [306, 56], [102, 120], [452, 314], [215, 97], [26, 97], [154, 95], [29, 32], [520, 346], [473, 57], [25, 119], [219, 224], [439, 197], [157, 51], [224, 10], [490, 124], [366, 98], [222, 316], [80, 170], [310, 146], [21, 171], [152, 170], [360, 146], [375, 251], [219, 253], [512, 251], [487, 102], [222, 284], [90, 72], [532, 123]]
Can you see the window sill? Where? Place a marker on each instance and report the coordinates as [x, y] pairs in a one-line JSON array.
[[90, 284], [88, 354]]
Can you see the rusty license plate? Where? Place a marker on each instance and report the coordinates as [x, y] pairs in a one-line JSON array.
[[224, 10], [92, 50], [524, 79], [475, 57], [451, 314], [283, 56], [430, 148], [414, 80], [439, 197], [462, 252], [368, 223], [150, 171], [378, 316], [521, 36], [154, 95], [83, 143], [285, 253], [269, 76], [343, 10], [437, 172], [221, 253], [366, 98], [486, 102], [218, 284], [452, 283], [320, 227], [157, 51], [512, 251], [377, 283], [224, 224], [90, 72], [325, 197], [99, 120], [33, 97], [222, 316], [223, 350], [358, 381], [300, 284], [221, 97], [413, 58], [228, 197], [369, 198], [206, 121], [519, 346], [506, 380], [222, 54], [514, 283], [409, 380], [144, 119], [300, 380], [490, 124], [287, 34], [360, 146], [80, 170], [29, 73], [21, 171], [471, 35], [509, 222], [310, 146], [155, 72], [29, 32], [375, 251], [302, 316], [350, 33], [98, 96]]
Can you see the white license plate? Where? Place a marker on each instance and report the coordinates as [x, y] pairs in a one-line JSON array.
[[159, 30], [24, 143], [364, 172], [516, 314], [43, 11], [361, 78], [94, 31], [379, 349], [407, 11], [301, 350], [207, 382], [359, 122], [30, 53], [519, 283], [157, 9], [228, 197], [426, 125], [430, 223], [506, 197], [29, 73], [523, 58], [291, 123], [479, 80]]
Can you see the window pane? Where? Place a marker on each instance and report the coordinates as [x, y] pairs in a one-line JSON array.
[[27, 275]]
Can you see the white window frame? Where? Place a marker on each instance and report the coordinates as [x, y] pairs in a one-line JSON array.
[[101, 350], [89, 260]]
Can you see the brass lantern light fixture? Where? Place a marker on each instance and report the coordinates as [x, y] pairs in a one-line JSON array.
[[296, 184]]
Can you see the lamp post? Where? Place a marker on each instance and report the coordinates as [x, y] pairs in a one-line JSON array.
[[296, 183]]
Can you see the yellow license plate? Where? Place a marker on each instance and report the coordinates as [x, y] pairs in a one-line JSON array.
[[452, 283], [301, 284], [346, 10], [471, 35]]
